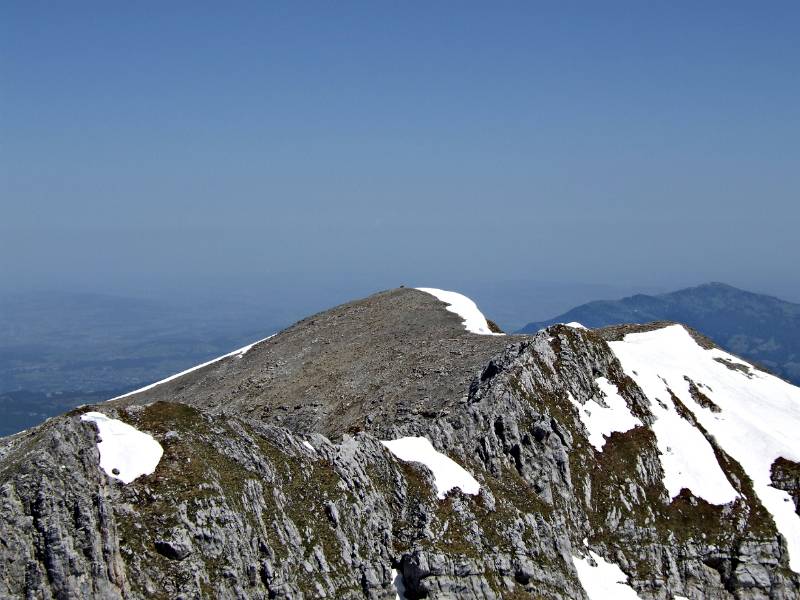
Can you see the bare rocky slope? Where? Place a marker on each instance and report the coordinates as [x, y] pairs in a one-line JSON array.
[[274, 483]]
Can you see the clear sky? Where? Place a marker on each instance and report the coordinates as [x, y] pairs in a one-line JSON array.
[[166, 143]]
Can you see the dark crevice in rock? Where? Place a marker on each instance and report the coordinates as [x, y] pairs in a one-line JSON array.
[[699, 397]]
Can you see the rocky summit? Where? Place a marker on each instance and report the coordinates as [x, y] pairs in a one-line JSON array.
[[384, 449]]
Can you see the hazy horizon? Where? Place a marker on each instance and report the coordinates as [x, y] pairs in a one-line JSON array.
[[186, 149]]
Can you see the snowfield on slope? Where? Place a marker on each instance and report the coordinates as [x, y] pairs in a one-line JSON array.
[[600, 421], [603, 580], [236, 353], [125, 452], [756, 421], [473, 318], [447, 473]]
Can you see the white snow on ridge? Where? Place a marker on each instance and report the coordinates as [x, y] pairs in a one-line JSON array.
[[447, 473], [575, 325], [236, 353], [474, 321], [757, 422], [600, 421], [124, 449], [603, 580], [687, 458]]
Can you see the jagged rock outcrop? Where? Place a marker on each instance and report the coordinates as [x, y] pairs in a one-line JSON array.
[[786, 476], [274, 482]]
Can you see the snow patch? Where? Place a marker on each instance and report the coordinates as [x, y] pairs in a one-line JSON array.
[[575, 325], [474, 321], [308, 445], [399, 586], [236, 353], [125, 452], [603, 580], [757, 421], [687, 457], [600, 421], [447, 473]]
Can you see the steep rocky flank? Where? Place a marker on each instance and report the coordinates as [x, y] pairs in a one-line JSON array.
[[274, 482]]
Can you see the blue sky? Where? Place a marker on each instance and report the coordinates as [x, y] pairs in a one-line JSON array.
[[151, 143]]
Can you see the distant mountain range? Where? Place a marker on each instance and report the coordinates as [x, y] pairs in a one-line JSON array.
[[762, 328]]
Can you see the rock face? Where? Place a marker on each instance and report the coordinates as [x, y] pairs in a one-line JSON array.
[[786, 476], [274, 483]]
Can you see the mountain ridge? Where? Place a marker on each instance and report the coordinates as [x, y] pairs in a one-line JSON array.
[[275, 480], [759, 327]]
